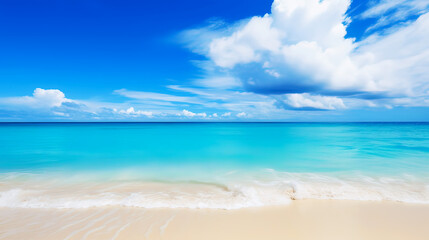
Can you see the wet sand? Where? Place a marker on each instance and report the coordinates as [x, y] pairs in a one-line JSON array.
[[302, 219]]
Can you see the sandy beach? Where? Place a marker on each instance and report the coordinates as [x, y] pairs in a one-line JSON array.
[[302, 219]]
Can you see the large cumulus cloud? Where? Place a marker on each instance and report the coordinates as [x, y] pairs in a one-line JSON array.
[[301, 48]]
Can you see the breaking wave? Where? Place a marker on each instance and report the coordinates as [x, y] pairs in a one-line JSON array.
[[229, 191]]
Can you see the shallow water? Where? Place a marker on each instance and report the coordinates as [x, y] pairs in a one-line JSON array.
[[210, 165]]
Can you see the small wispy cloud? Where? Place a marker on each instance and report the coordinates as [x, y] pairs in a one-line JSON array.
[[394, 12], [190, 114], [130, 111], [139, 95], [306, 101]]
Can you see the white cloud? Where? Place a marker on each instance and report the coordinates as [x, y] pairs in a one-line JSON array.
[[42, 98], [215, 98], [394, 11], [301, 47], [196, 91], [131, 111], [241, 115], [307, 101], [291, 22], [223, 82], [52, 103], [61, 114], [190, 114], [402, 71], [227, 114], [242, 45], [155, 96]]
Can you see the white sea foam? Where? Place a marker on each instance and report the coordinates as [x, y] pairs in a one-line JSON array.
[[225, 192]]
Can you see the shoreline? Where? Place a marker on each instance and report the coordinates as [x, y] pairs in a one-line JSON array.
[[300, 220], [258, 189]]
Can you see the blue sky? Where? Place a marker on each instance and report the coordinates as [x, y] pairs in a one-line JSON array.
[[236, 60]]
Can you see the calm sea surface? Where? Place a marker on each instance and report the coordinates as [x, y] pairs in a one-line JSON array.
[[368, 161]]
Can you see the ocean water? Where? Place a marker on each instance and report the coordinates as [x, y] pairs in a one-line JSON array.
[[210, 165]]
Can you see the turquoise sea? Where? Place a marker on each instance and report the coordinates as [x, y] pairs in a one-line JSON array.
[[210, 165]]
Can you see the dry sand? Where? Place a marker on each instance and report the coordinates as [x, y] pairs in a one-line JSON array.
[[302, 219]]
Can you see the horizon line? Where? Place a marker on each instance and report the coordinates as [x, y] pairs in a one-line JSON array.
[[216, 122]]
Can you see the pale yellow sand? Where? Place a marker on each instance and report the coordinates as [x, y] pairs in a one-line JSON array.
[[302, 219]]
